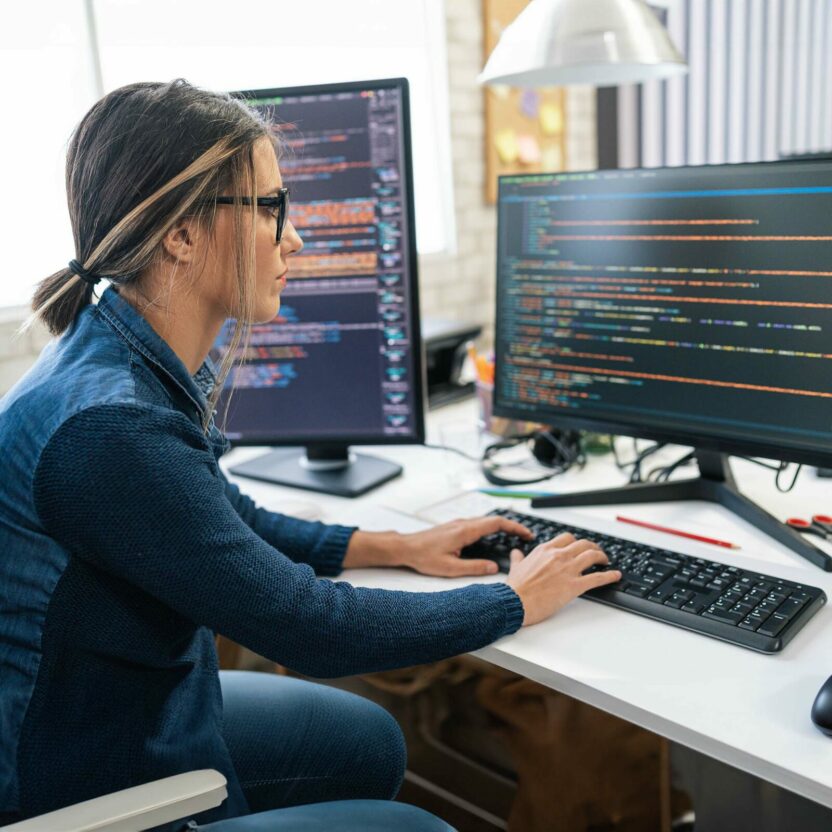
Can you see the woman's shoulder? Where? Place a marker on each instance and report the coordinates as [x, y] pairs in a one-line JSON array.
[[84, 365], [86, 375]]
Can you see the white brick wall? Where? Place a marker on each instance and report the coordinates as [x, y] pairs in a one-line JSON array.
[[17, 352], [459, 286]]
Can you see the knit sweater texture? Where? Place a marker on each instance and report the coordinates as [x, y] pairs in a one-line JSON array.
[[124, 549]]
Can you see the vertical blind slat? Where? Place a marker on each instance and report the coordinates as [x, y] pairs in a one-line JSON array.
[[759, 86]]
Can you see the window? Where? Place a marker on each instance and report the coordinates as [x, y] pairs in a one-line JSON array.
[[217, 45], [48, 85]]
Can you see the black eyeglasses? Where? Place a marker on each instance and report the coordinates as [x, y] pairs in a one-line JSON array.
[[278, 206]]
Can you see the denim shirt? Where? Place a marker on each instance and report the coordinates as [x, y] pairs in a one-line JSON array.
[[124, 549]]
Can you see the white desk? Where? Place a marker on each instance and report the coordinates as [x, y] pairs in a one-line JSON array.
[[745, 709]]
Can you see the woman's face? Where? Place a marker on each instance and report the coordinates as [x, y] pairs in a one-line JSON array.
[[271, 259]]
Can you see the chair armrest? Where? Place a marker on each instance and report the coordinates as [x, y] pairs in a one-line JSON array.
[[135, 809]]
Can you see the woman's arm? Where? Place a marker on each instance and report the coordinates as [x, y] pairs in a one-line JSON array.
[[330, 548], [136, 491], [322, 546]]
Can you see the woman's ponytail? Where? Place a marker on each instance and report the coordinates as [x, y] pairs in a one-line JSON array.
[[58, 299]]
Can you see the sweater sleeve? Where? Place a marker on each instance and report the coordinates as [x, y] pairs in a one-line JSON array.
[[321, 546], [136, 491]]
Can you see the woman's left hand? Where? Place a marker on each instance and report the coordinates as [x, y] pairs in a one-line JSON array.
[[436, 551]]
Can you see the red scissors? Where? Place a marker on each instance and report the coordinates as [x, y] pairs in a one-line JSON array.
[[821, 525]]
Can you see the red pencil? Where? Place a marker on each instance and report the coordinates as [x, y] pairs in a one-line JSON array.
[[724, 543]]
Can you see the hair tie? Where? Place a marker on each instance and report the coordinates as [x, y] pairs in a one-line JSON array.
[[88, 277]]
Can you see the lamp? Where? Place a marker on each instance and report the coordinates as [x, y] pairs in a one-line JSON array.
[[599, 42]]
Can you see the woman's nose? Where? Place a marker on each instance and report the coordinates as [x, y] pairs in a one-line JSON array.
[[291, 242]]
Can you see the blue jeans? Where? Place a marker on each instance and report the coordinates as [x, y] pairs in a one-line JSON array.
[[312, 757]]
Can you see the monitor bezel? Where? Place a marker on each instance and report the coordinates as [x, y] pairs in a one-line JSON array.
[[706, 440], [417, 437]]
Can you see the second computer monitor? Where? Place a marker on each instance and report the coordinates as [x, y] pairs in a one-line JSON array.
[[340, 365], [686, 304]]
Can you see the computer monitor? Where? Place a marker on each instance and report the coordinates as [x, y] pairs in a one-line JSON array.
[[687, 305], [341, 364]]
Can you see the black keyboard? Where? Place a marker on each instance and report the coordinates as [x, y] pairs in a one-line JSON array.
[[749, 609]]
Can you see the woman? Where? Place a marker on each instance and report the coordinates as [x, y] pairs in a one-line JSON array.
[[123, 548]]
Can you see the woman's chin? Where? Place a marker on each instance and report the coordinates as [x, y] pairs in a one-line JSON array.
[[267, 310]]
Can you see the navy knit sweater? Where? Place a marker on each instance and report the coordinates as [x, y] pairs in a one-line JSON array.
[[123, 549]]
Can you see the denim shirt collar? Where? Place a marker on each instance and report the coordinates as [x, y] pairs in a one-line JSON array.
[[131, 326]]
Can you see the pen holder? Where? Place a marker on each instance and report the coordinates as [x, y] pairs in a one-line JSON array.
[[487, 422], [485, 398]]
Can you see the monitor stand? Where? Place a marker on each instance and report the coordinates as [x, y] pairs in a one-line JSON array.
[[715, 484], [332, 469]]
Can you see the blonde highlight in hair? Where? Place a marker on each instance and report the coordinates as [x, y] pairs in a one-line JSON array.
[[206, 163]]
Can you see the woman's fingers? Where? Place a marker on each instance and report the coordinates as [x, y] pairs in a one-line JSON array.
[[596, 579], [567, 550], [461, 567], [471, 530], [516, 556], [503, 524], [589, 558]]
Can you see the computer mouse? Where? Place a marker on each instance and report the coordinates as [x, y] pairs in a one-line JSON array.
[[822, 709]]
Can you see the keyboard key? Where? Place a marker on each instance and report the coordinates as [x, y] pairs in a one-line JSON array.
[[637, 589], [694, 606], [728, 616], [774, 625], [661, 594], [767, 607], [789, 608], [759, 617]]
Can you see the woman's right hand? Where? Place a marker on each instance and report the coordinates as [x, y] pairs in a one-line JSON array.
[[551, 575]]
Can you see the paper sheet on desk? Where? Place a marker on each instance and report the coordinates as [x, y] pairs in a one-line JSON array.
[[380, 519], [464, 504], [383, 518]]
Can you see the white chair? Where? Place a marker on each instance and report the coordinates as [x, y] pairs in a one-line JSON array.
[[136, 809]]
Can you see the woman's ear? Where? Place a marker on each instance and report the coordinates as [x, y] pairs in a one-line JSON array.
[[180, 241]]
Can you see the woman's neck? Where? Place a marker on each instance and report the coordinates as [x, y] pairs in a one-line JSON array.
[[187, 326]]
